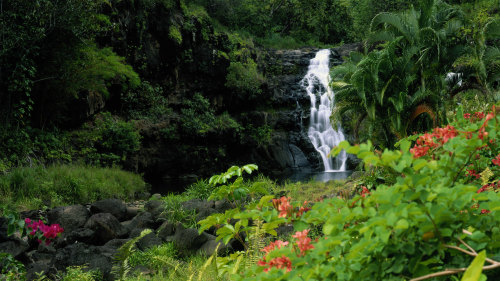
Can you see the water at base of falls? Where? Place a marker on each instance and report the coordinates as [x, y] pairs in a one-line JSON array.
[[321, 132]]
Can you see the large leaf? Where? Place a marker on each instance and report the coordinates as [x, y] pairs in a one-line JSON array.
[[473, 272]]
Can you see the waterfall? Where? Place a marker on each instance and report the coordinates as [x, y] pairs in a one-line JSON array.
[[321, 132]]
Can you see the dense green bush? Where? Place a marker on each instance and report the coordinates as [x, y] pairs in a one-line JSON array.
[[35, 187], [440, 212], [107, 141]]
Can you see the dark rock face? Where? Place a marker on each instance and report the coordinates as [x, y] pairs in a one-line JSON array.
[[106, 227], [83, 254], [115, 207], [188, 239], [70, 218]]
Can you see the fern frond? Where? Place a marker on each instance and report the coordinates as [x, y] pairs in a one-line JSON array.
[[121, 259]]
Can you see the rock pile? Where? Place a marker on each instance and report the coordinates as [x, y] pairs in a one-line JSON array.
[[92, 234]]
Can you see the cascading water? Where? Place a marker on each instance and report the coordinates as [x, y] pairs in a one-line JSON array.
[[321, 132]]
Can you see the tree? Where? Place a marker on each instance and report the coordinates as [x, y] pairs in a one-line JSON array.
[[404, 74]]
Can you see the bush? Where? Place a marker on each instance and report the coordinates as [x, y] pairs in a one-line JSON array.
[[244, 78], [157, 258], [200, 189], [442, 208], [174, 212], [35, 187], [107, 142]]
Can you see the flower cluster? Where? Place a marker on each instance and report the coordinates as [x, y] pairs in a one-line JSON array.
[[279, 262], [473, 173], [428, 141], [488, 187], [283, 206], [303, 242], [47, 232], [286, 210], [276, 244], [364, 191], [496, 160]]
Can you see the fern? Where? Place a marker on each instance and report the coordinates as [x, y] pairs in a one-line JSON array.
[[122, 265], [256, 244]]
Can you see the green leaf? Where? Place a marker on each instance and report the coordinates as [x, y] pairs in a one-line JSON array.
[[473, 272]]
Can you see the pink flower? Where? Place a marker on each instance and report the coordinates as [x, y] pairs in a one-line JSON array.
[[282, 262]]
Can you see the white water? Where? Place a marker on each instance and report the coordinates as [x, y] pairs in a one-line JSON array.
[[321, 132]]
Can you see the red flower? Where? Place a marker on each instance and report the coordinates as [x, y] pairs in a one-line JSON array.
[[419, 151], [279, 262], [283, 206], [467, 115], [276, 244], [365, 191], [496, 161], [484, 211], [303, 242], [479, 115]]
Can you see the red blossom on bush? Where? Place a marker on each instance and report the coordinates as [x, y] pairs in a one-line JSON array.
[[467, 115], [283, 206], [479, 115], [473, 173], [49, 232], [303, 242], [303, 209], [282, 262], [484, 211], [276, 244], [364, 191], [496, 161]]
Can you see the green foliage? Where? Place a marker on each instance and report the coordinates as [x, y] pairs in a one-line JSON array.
[[145, 102], [56, 185], [419, 43], [261, 135], [175, 213], [201, 189], [175, 34], [431, 218], [157, 258], [107, 141], [122, 265], [95, 68], [78, 273], [236, 191], [12, 269], [244, 78], [198, 118]]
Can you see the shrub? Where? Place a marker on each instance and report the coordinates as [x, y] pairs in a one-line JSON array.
[[106, 142], [244, 78], [157, 258], [200, 189], [440, 211], [175, 213]]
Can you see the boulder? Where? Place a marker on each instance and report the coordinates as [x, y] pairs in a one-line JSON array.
[[155, 207], [209, 247], [106, 227], [80, 254], [70, 217], [197, 205], [188, 240], [149, 241], [165, 230], [82, 235], [143, 220], [116, 207], [15, 247]]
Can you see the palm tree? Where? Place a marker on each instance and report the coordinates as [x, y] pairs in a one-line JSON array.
[[404, 75]]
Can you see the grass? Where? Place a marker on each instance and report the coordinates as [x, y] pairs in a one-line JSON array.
[[312, 191], [29, 188]]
